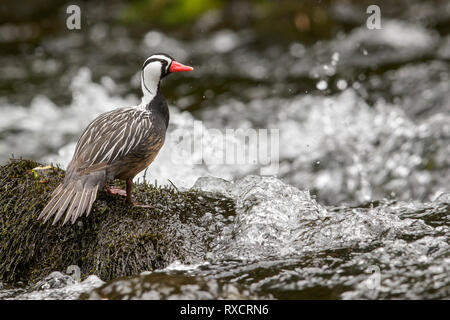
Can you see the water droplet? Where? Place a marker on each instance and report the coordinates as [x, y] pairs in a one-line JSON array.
[[356, 85], [297, 50], [341, 84], [335, 58], [322, 85]]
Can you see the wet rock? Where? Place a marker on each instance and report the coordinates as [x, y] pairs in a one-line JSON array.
[[54, 280], [115, 240], [57, 287], [279, 242], [293, 248], [215, 185], [159, 286], [404, 269], [285, 244]]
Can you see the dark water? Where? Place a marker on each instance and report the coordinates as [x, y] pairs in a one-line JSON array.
[[360, 208]]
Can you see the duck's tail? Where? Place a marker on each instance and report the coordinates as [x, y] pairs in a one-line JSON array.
[[73, 198]]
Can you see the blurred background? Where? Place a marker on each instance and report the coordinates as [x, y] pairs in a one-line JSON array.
[[363, 114]]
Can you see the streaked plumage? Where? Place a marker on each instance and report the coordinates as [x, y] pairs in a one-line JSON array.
[[117, 144]]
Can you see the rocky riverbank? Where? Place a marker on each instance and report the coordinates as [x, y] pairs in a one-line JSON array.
[[255, 237], [115, 240]]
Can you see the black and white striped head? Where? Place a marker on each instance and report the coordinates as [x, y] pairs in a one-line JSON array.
[[155, 68]]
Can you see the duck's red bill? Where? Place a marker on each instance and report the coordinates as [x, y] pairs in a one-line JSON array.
[[177, 67]]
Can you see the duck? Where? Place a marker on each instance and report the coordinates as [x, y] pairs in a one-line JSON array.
[[116, 145]]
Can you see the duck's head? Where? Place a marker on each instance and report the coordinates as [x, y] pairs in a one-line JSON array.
[[156, 67]]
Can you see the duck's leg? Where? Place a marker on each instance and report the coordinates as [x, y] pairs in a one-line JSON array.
[[130, 195], [130, 190]]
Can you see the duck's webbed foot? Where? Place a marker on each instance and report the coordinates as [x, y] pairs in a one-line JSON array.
[[140, 205], [129, 195]]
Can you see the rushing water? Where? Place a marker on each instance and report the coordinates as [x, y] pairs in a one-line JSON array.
[[360, 204]]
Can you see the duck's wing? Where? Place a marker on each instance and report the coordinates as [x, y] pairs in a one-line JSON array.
[[110, 137]]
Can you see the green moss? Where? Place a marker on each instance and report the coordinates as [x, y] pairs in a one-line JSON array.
[[167, 12], [115, 240]]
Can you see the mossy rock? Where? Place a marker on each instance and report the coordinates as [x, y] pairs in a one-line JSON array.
[[114, 240]]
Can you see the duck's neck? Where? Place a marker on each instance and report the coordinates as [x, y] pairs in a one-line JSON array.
[[150, 89], [158, 107], [153, 101]]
